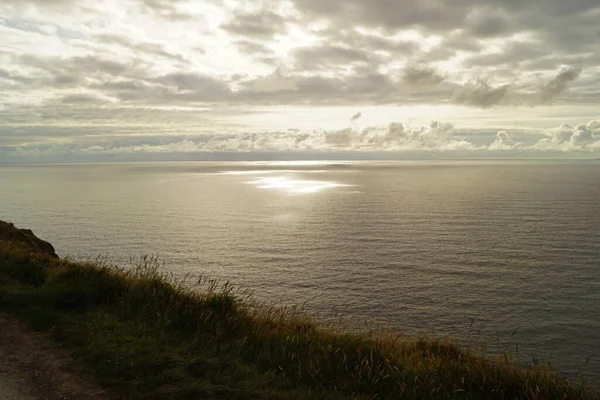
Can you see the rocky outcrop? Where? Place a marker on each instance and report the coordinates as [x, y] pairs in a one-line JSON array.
[[25, 238]]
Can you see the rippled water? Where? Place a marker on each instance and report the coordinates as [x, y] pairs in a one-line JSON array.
[[512, 248]]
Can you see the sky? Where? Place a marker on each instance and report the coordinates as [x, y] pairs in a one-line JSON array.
[[235, 79]]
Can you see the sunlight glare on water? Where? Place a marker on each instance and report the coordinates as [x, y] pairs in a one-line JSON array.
[[294, 185]]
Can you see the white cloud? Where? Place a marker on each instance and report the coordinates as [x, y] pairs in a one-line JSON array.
[[394, 137], [583, 137], [504, 141]]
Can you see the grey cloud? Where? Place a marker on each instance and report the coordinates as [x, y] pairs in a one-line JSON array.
[[278, 81], [192, 82], [567, 26], [451, 44], [251, 47], [166, 9], [421, 76], [558, 84], [167, 89], [124, 119], [151, 49], [119, 85], [314, 88], [346, 63], [134, 91], [356, 116], [436, 15], [487, 22], [347, 68], [81, 99], [263, 24], [513, 53], [459, 40], [283, 88], [74, 73], [556, 33], [364, 86], [82, 66], [350, 38], [16, 78], [374, 86], [128, 81], [329, 56], [387, 13], [67, 80], [479, 93], [551, 60]]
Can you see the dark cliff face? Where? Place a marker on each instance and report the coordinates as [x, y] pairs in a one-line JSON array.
[[25, 238]]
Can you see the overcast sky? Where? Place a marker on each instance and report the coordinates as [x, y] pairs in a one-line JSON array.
[[93, 78]]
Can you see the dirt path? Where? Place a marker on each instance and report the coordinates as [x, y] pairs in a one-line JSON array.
[[33, 368]]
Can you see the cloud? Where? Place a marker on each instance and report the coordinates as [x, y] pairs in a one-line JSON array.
[[483, 22], [328, 57], [479, 93], [572, 138], [191, 82], [252, 47], [278, 81], [421, 76], [81, 99], [504, 141], [54, 5], [262, 24], [167, 9], [151, 49], [442, 16], [430, 15], [134, 64], [393, 137], [356, 117], [558, 84], [81, 68], [368, 60], [514, 53]]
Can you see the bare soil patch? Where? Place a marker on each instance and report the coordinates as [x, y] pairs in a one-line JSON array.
[[33, 368]]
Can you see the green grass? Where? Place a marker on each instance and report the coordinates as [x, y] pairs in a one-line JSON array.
[[142, 336]]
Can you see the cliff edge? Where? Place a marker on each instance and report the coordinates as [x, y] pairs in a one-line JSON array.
[[26, 239]]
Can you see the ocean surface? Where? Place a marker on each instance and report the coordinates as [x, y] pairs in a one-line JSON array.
[[507, 252]]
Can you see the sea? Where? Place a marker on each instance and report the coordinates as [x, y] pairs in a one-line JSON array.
[[500, 255]]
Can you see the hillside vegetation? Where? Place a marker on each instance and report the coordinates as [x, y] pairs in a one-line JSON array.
[[142, 336]]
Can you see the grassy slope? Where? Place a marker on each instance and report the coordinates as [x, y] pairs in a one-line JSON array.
[[146, 338]]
